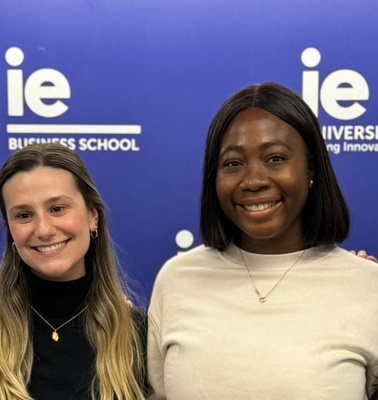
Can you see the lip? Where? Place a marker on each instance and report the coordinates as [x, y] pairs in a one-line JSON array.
[[259, 209], [48, 249]]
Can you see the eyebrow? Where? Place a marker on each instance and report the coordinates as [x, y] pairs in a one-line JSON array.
[[264, 146], [20, 207]]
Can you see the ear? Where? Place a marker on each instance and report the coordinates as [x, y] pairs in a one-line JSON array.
[[310, 168], [93, 219]]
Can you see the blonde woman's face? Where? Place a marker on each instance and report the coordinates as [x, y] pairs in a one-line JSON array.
[[49, 222]]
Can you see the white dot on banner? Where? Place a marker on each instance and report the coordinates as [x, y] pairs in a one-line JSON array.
[[14, 56], [184, 239], [311, 57]]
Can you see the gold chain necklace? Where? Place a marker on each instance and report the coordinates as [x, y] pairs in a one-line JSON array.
[[55, 334], [263, 299]]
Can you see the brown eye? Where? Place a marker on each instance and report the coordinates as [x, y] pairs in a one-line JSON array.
[[232, 163], [276, 158], [57, 209], [23, 215]]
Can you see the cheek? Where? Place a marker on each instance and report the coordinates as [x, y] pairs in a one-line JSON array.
[[224, 198], [295, 179], [19, 233], [223, 185], [222, 194], [299, 188], [78, 223]]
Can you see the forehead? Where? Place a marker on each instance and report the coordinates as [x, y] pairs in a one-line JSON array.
[[39, 183], [256, 125], [48, 174]]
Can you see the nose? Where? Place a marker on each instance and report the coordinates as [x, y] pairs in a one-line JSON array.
[[255, 177], [44, 226]]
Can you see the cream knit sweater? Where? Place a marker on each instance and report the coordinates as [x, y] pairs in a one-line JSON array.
[[315, 338]]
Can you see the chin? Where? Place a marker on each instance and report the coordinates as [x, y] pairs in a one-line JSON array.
[[53, 274]]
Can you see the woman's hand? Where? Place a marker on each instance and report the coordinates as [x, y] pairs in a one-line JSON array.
[[363, 254]]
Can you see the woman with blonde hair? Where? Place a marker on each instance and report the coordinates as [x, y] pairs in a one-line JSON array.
[[65, 329]]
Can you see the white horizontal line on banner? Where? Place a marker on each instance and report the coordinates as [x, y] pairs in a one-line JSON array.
[[79, 129]]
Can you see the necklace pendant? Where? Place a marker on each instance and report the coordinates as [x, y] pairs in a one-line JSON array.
[[55, 336], [262, 299]]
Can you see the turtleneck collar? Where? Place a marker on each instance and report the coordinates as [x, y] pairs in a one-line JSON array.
[[57, 299]]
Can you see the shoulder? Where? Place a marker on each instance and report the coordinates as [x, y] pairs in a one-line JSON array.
[[337, 253], [199, 251], [342, 263], [195, 255], [184, 272], [352, 260], [188, 261]]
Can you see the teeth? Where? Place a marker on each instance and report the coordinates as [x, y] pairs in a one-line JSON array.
[[45, 249], [259, 207]]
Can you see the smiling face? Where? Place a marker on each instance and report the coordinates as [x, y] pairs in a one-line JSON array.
[[49, 222], [263, 180]]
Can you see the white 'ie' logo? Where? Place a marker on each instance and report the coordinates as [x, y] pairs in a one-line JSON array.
[[43, 84], [343, 85]]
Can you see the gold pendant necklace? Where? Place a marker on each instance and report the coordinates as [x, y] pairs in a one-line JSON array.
[[55, 334], [263, 299]]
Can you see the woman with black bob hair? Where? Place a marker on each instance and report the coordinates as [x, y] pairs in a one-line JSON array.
[[325, 217], [269, 307]]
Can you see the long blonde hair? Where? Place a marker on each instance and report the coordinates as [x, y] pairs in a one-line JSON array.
[[109, 327]]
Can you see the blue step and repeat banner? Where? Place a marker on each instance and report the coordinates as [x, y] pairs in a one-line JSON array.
[[132, 86]]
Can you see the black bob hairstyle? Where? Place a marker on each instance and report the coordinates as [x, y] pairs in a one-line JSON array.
[[325, 217]]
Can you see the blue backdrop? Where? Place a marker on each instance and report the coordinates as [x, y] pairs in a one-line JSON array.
[[133, 85]]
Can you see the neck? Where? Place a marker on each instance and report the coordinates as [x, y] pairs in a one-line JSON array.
[[271, 246], [57, 299]]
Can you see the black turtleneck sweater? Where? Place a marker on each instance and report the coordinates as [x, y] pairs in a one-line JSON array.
[[61, 370]]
